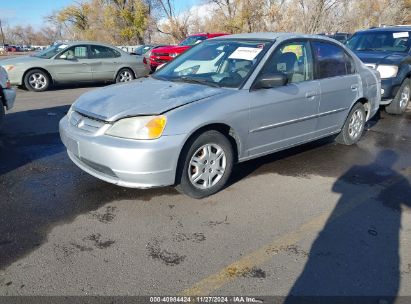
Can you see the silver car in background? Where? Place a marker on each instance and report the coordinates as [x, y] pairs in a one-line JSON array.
[[226, 100], [73, 62], [7, 94]]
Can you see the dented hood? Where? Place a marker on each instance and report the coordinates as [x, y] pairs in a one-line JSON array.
[[141, 97]]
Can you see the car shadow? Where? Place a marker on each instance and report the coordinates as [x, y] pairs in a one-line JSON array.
[[30, 135], [355, 258], [41, 188]]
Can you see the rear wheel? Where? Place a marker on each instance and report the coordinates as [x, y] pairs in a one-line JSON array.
[[400, 103], [124, 75], [36, 80], [353, 126], [206, 165]]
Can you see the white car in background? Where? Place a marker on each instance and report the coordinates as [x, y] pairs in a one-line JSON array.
[[7, 94]]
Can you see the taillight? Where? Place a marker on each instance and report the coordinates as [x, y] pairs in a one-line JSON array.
[[144, 60], [8, 84]]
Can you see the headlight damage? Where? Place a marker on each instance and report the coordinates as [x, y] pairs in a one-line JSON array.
[[142, 127]]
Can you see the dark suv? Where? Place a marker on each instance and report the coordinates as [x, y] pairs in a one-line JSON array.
[[387, 49]]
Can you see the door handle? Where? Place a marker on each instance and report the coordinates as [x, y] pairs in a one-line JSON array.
[[354, 87], [310, 95]]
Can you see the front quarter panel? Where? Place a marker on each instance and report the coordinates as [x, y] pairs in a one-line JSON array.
[[230, 108]]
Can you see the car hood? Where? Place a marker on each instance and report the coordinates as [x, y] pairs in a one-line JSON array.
[[141, 97], [381, 57], [20, 60], [170, 49]]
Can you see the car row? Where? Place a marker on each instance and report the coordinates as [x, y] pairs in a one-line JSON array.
[[162, 55], [73, 62], [226, 100], [388, 50]]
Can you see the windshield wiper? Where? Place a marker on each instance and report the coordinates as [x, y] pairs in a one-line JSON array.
[[199, 81]]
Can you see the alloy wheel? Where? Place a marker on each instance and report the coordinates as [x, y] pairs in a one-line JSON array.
[[125, 76], [37, 81], [356, 124], [207, 166], [405, 97]]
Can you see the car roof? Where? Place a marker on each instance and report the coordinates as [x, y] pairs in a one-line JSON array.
[[273, 36], [405, 28], [70, 43]]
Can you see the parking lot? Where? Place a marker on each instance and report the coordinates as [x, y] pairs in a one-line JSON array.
[[318, 219]]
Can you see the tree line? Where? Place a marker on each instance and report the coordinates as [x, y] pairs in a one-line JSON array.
[[129, 22]]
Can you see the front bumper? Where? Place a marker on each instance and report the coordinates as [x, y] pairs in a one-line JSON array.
[[10, 96], [389, 88], [124, 162]]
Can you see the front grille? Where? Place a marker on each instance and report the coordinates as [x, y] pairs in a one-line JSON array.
[[160, 54], [97, 167], [85, 123]]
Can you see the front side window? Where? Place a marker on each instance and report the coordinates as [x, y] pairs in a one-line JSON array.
[[223, 63], [380, 42], [331, 60], [76, 52], [51, 51], [293, 59]]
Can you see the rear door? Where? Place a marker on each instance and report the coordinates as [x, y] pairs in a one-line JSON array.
[[72, 65], [339, 83], [104, 62]]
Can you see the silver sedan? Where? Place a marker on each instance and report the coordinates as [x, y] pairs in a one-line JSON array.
[[226, 100], [73, 62]]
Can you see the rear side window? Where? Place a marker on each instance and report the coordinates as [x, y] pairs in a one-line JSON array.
[[332, 60], [99, 51]]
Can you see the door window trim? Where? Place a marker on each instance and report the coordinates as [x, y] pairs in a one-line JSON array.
[[316, 61], [57, 57], [292, 40]]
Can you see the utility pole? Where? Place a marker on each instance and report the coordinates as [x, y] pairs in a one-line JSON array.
[[2, 34]]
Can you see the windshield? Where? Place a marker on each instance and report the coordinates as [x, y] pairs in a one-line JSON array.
[[51, 51], [192, 40], [380, 41], [220, 63], [141, 50]]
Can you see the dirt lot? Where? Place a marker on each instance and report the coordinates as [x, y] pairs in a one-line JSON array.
[[322, 219]]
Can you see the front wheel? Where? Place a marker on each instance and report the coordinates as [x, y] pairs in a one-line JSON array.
[[36, 80], [124, 75], [400, 103], [206, 165], [353, 126]]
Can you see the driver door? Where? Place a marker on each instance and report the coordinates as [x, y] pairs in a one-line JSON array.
[[72, 65], [286, 115]]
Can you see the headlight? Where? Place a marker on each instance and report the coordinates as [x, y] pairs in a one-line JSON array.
[[387, 71], [142, 127], [8, 67], [173, 55]]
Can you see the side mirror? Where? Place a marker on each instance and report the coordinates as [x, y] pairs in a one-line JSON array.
[[271, 80], [63, 57]]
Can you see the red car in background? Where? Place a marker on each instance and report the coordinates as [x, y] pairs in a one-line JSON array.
[[165, 54]]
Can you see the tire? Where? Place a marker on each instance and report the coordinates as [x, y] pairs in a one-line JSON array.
[[400, 102], [36, 80], [124, 75], [211, 151], [353, 126]]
